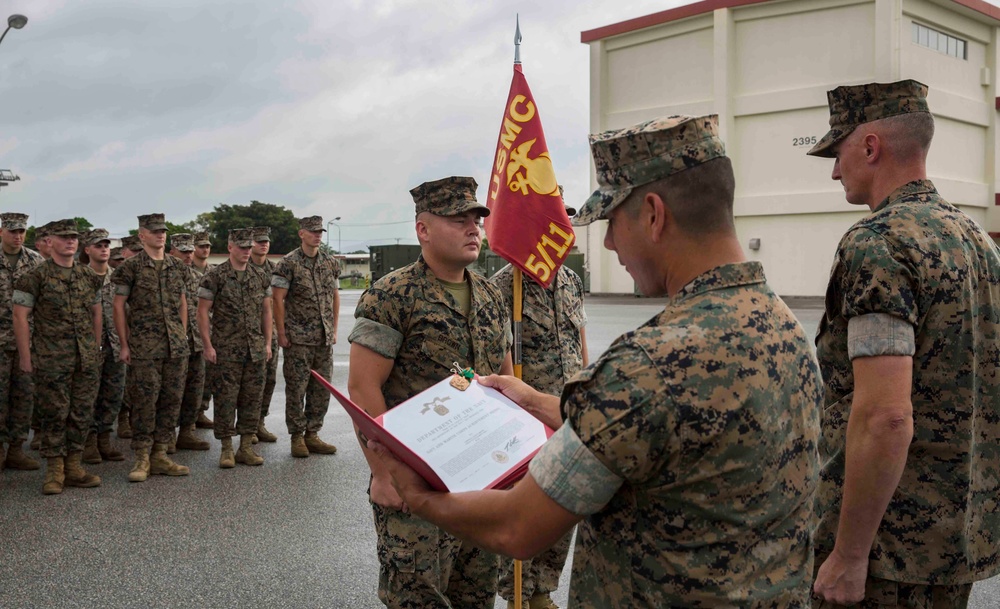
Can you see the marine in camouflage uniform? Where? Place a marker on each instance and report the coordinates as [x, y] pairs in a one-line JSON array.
[[154, 344], [237, 338], [63, 299], [412, 327], [909, 337], [16, 388], [553, 348], [258, 257], [688, 450], [307, 309], [112, 384], [131, 246], [182, 248], [200, 265]]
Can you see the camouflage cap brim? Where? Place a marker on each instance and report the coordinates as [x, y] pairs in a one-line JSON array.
[[460, 207], [246, 243], [599, 204], [824, 148]]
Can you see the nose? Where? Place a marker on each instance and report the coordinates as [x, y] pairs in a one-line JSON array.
[[836, 170], [609, 240]]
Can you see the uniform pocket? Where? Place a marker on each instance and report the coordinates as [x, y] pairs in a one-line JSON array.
[[403, 561]]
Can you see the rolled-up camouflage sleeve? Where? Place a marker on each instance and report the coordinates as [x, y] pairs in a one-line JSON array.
[[26, 289], [123, 278], [283, 275], [379, 325], [876, 278], [877, 334], [207, 288], [572, 476]]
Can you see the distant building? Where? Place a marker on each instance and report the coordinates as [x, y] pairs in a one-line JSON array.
[[764, 67]]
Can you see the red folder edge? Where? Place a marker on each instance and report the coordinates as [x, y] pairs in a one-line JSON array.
[[372, 428]]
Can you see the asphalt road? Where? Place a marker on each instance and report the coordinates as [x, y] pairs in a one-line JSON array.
[[291, 533]]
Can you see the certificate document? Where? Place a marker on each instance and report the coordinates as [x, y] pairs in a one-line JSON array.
[[457, 440]]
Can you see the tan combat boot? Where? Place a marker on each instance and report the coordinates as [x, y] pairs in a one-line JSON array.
[[161, 465], [317, 446], [226, 459], [263, 434], [90, 452], [76, 475], [245, 454], [204, 422], [140, 471], [108, 453], [299, 449], [16, 459], [124, 426], [541, 601], [54, 476], [186, 440]]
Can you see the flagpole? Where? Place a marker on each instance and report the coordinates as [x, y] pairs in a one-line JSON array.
[[518, 296]]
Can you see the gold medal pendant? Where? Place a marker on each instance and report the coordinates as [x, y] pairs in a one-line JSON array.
[[462, 378]]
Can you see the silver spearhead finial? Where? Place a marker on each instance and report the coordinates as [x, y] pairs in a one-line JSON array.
[[517, 41]]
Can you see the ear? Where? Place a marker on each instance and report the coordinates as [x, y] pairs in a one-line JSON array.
[[657, 218], [872, 147], [421, 227]]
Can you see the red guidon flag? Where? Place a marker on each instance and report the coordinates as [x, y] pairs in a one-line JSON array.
[[527, 225]]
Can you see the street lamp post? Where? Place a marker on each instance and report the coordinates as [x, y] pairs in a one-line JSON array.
[[14, 21], [333, 222]]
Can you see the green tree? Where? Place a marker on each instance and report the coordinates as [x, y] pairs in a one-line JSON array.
[[218, 222]]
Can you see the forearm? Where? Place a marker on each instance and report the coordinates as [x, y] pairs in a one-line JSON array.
[[877, 446], [98, 324], [118, 316], [278, 302], [336, 309], [22, 333], [372, 401], [184, 312], [545, 408], [204, 326]]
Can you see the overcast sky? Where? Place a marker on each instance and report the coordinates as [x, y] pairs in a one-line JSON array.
[[109, 109]]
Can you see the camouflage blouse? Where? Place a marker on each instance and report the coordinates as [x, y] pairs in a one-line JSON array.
[[61, 302], [312, 284], [8, 277], [237, 311], [409, 317], [154, 305], [923, 261], [691, 448], [551, 321]]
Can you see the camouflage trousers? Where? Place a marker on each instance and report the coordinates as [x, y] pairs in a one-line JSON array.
[[270, 381], [155, 388], [421, 566], [300, 387], [194, 388], [16, 399], [540, 575], [66, 391], [238, 387], [110, 392], [885, 594]]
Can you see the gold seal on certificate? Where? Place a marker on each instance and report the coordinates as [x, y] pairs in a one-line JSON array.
[[500, 456]]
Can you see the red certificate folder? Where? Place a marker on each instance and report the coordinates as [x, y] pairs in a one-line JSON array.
[[373, 428]]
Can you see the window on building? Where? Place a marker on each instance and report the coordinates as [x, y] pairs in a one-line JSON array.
[[939, 41]]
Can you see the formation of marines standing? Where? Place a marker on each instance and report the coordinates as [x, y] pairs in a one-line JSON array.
[[132, 343]]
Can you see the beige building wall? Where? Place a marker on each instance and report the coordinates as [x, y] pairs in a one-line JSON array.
[[764, 68]]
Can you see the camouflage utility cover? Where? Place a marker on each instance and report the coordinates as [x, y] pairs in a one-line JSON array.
[[132, 242], [312, 284], [644, 153], [154, 301], [448, 197], [153, 222], [9, 276], [700, 429], [92, 237], [61, 311], [237, 311], [312, 223], [14, 221], [551, 345], [409, 317], [859, 104], [921, 260]]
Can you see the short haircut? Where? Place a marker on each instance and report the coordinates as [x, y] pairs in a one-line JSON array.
[[700, 198], [907, 136]]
